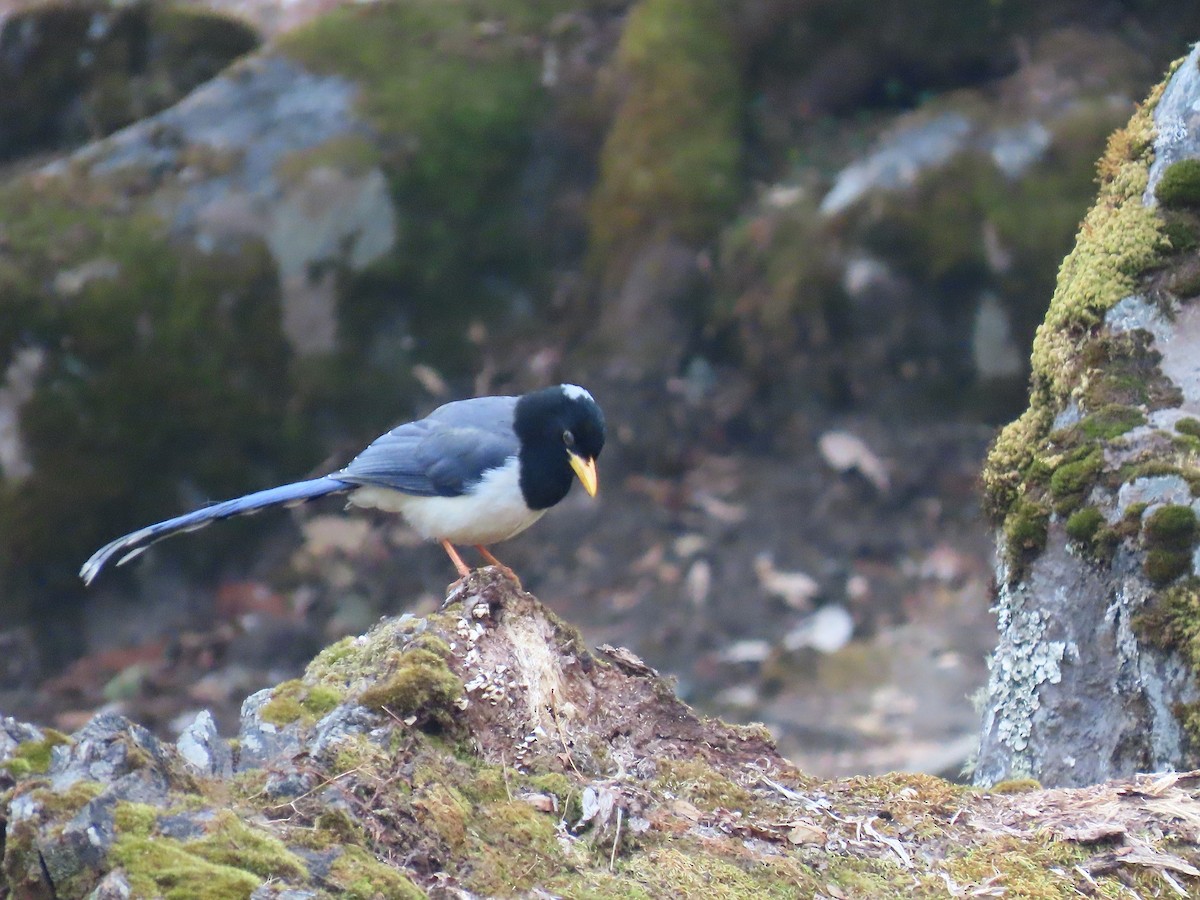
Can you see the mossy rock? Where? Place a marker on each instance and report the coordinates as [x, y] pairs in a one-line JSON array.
[[85, 69], [670, 165], [453, 95], [129, 325]]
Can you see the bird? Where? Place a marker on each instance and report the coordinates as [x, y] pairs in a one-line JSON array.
[[472, 472]]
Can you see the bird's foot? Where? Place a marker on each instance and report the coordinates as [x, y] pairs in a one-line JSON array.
[[504, 570]]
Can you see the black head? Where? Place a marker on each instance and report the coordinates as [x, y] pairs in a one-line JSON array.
[[561, 430]]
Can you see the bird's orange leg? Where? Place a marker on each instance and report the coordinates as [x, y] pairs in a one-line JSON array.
[[456, 559], [504, 570]]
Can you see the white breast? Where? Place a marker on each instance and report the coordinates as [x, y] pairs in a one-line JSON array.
[[493, 511]]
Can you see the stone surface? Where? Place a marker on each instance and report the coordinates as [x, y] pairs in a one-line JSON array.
[[1093, 677]]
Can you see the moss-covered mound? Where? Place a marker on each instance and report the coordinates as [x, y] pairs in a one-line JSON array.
[[484, 749]]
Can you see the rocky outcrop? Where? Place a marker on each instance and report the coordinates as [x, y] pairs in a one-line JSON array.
[[484, 751], [1095, 485]]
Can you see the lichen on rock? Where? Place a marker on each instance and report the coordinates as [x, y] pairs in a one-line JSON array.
[[1094, 487]]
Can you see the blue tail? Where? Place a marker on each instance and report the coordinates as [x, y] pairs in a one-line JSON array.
[[132, 544]]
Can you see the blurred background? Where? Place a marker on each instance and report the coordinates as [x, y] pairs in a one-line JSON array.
[[796, 248]]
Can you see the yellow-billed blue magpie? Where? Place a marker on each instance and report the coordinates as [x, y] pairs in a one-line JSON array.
[[471, 472]]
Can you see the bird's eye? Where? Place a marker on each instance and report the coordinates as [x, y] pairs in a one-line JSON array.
[[568, 439]]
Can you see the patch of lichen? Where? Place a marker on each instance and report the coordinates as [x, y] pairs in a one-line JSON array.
[[33, 757], [295, 701], [452, 91], [670, 165], [1120, 241]]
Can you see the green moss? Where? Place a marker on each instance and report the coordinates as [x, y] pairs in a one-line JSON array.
[[1119, 242], [442, 810], [1188, 715], [1164, 566], [1171, 620], [357, 875], [420, 683], [33, 757], [232, 842], [1188, 426], [699, 783], [230, 860], [452, 90], [1111, 421], [162, 867], [1181, 229], [515, 846], [683, 870], [670, 162], [1016, 786], [294, 701], [131, 325], [1084, 523], [1169, 534], [1071, 481], [1180, 184], [135, 819], [1039, 868], [1025, 532], [1172, 527]]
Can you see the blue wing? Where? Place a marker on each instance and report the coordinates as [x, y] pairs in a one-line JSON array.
[[442, 455]]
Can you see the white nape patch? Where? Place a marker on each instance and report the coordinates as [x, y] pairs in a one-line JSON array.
[[493, 510], [575, 392]]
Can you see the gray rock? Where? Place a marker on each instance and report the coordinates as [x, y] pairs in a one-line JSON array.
[[1076, 695], [106, 749], [14, 733], [260, 744], [899, 160], [255, 115], [113, 886], [203, 749], [1177, 122], [1015, 149]]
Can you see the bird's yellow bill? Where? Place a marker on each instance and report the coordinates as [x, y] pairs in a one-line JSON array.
[[586, 470]]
